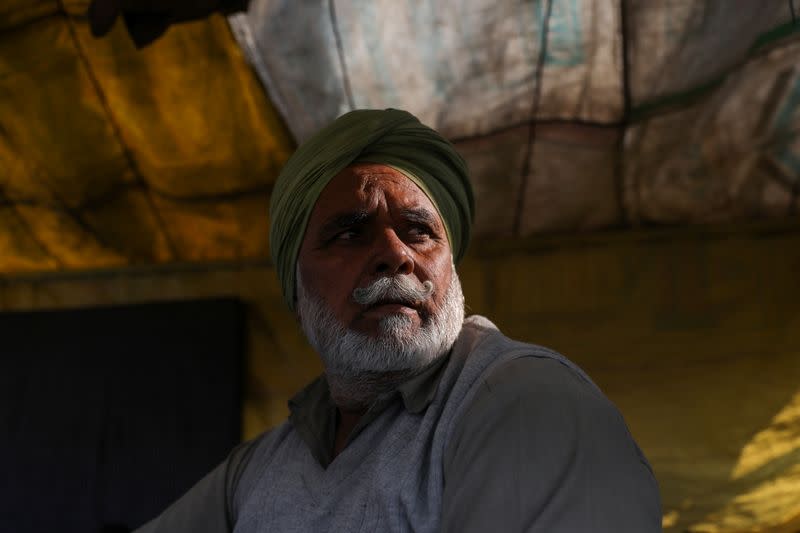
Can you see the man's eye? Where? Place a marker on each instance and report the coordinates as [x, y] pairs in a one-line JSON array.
[[347, 235], [419, 231]]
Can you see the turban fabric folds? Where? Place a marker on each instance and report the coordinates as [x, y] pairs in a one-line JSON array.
[[390, 137]]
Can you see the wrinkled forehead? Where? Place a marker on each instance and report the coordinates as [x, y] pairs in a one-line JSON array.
[[359, 186]]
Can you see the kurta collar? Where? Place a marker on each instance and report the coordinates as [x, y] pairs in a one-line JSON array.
[[314, 414]]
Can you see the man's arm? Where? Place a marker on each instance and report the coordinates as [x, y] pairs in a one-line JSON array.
[[207, 506], [541, 450]]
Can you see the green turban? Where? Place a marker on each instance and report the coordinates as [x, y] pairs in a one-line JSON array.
[[390, 137]]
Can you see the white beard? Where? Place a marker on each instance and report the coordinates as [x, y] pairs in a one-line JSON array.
[[399, 348]]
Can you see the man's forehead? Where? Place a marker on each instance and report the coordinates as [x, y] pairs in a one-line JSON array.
[[359, 185], [367, 176]]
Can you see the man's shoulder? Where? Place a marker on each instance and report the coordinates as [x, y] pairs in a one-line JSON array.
[[482, 334], [543, 387], [538, 380], [534, 425], [512, 363]]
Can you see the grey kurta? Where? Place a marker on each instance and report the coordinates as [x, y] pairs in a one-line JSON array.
[[533, 446]]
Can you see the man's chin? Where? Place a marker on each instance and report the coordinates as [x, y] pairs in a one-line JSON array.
[[398, 326], [391, 337], [402, 366]]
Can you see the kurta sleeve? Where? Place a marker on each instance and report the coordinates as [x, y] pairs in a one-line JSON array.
[[540, 449], [208, 506]]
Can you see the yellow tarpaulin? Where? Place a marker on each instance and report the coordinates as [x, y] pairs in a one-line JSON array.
[[110, 155]]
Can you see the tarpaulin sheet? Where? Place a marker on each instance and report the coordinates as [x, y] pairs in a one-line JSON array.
[[496, 76], [111, 155]]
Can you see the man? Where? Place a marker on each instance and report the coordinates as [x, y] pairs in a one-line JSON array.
[[423, 421]]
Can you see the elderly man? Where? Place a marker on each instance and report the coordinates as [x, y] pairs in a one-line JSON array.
[[422, 421]]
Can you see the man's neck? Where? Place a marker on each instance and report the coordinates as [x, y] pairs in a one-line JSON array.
[[346, 423], [356, 393], [353, 398]]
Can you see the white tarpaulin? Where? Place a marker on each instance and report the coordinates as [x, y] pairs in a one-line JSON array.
[[575, 114]]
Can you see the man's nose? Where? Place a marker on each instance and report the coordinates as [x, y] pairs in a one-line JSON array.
[[393, 255]]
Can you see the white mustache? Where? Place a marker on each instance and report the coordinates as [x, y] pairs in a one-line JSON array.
[[401, 288]]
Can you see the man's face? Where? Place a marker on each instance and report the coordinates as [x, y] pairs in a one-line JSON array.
[[372, 222]]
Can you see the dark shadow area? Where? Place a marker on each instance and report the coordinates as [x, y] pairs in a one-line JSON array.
[[107, 415]]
